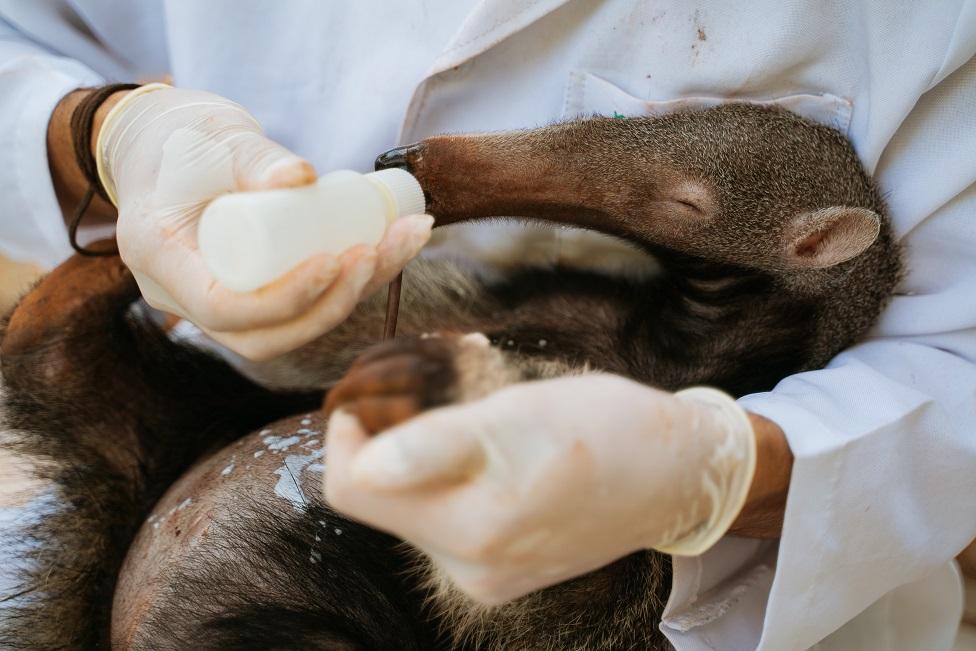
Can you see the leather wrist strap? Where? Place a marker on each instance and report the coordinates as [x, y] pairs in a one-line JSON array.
[[82, 123]]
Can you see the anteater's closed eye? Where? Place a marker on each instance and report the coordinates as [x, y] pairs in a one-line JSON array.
[[692, 195]]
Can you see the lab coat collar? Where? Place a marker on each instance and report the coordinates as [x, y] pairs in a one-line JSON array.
[[489, 23]]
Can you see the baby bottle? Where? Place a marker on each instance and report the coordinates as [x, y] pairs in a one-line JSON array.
[[248, 239]]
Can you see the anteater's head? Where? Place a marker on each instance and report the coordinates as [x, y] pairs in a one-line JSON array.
[[740, 184]]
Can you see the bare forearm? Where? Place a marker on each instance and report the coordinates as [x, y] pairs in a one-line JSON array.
[[762, 515], [69, 182]]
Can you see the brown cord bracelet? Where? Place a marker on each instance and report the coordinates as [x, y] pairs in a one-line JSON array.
[[82, 123]]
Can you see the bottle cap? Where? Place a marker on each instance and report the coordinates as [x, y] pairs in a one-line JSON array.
[[402, 190]]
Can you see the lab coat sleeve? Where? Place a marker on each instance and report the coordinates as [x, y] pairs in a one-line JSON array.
[[32, 81], [885, 447]]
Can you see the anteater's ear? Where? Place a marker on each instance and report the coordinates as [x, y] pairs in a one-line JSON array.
[[829, 236]]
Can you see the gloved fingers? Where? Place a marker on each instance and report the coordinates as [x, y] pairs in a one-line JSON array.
[[435, 448], [457, 519], [332, 307], [402, 242], [213, 307], [180, 271], [408, 516], [262, 164], [344, 437], [399, 515]]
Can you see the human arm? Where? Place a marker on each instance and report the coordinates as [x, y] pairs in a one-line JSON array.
[[163, 154], [883, 477], [41, 185], [222, 150]]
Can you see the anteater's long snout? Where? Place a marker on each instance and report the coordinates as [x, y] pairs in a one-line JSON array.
[[546, 174], [477, 176]]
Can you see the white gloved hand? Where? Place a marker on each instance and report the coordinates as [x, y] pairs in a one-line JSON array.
[[544, 481], [163, 153]]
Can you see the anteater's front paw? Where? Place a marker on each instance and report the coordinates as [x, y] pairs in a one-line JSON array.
[[397, 380]]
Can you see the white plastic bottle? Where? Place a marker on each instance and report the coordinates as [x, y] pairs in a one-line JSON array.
[[248, 239]]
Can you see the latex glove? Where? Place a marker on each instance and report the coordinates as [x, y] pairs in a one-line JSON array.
[[163, 153], [544, 481]]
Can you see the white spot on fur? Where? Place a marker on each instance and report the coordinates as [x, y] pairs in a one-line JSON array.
[[257, 455], [158, 523], [226, 471], [290, 477], [277, 443]]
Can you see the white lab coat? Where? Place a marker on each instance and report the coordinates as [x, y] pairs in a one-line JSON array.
[[882, 489]]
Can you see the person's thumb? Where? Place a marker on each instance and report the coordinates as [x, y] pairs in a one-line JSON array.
[[262, 164], [435, 448]]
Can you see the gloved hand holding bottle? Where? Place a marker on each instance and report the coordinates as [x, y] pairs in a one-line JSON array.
[[163, 154]]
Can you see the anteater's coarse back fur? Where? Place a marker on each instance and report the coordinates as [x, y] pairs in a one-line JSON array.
[[776, 253]]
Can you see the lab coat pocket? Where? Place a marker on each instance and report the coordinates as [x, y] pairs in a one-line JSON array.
[[588, 94]]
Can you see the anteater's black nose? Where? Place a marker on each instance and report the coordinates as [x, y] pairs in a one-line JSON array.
[[398, 157]]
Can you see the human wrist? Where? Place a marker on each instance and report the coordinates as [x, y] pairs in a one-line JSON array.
[[765, 507], [67, 177], [72, 133]]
